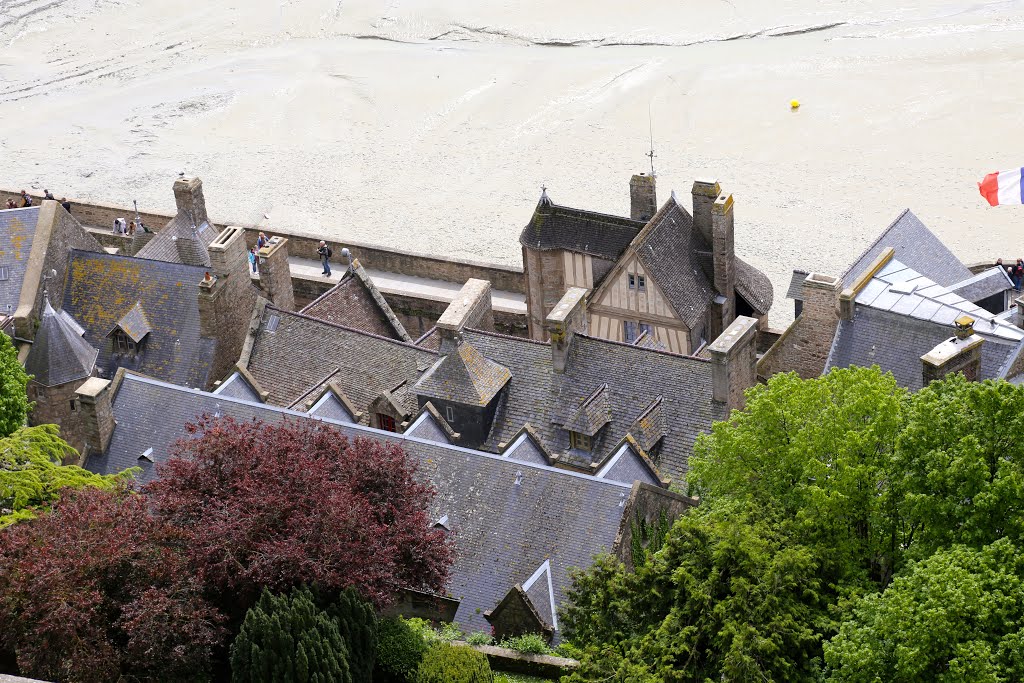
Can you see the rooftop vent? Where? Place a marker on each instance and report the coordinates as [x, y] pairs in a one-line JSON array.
[[147, 454], [903, 288], [272, 324], [519, 477], [442, 523]]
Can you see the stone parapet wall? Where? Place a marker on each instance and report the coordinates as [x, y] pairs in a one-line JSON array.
[[304, 245]]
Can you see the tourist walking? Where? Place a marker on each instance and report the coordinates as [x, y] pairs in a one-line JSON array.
[[26, 199], [1018, 274], [47, 195], [253, 259], [325, 256], [11, 204], [66, 204], [262, 240]]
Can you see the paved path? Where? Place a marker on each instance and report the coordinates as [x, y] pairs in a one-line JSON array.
[[408, 285]]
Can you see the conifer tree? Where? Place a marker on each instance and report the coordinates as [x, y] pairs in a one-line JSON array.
[[286, 639], [357, 623]]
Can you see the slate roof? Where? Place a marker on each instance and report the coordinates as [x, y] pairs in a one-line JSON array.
[[304, 354], [592, 414], [464, 376], [983, 285], [754, 286], [59, 354], [134, 323], [236, 386], [903, 290], [426, 427], [917, 247], [503, 530], [584, 232], [356, 302], [102, 288], [635, 377], [178, 242], [896, 342], [17, 232], [626, 465], [796, 285], [649, 427]]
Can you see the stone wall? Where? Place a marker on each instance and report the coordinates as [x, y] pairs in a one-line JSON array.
[[647, 503], [53, 405], [304, 245]]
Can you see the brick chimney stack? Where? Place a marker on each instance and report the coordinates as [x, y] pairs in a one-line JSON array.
[[723, 254], [96, 415], [643, 201], [704, 192], [734, 362], [568, 317], [188, 196], [959, 353], [226, 301], [471, 308]]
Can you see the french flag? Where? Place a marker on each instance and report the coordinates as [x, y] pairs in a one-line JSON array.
[[1002, 188]]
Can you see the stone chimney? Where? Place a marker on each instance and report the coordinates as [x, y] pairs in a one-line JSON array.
[[470, 308], [704, 192], [723, 254], [1018, 316], [188, 195], [643, 202], [96, 415], [226, 300], [275, 275], [959, 353], [734, 362], [568, 317]]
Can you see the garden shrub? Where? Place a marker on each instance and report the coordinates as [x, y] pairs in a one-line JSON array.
[[530, 643], [400, 647], [479, 638], [444, 663]]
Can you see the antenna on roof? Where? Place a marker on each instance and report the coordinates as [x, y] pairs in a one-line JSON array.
[[650, 125]]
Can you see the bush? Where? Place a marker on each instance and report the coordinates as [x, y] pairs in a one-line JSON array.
[[479, 638], [449, 632], [288, 638], [530, 643], [400, 648], [444, 663]]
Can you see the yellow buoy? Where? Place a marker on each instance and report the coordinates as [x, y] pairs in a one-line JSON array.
[[794, 104]]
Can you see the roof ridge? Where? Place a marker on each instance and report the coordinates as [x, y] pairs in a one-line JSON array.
[[79, 252], [645, 349], [500, 335], [875, 242], [310, 318]]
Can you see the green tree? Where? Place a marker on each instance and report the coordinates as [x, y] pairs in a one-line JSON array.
[[445, 663], [728, 597], [14, 405], [956, 616], [960, 464], [820, 453], [288, 638], [31, 476]]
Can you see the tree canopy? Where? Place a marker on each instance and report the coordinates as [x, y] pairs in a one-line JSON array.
[[14, 404], [840, 508], [31, 474], [278, 506], [98, 589]]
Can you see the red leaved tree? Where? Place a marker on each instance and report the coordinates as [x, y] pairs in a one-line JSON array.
[[98, 590], [282, 505]]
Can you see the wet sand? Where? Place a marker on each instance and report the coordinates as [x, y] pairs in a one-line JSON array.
[[432, 125]]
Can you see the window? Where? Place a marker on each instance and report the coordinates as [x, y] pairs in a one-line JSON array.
[[273, 322], [641, 283], [644, 327], [5, 273], [386, 422], [632, 281], [580, 441], [123, 343], [449, 414], [629, 329], [74, 406]]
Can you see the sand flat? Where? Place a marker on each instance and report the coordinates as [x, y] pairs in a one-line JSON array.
[[432, 125]]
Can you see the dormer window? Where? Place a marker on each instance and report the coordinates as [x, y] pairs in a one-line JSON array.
[[580, 441], [124, 344], [386, 422]]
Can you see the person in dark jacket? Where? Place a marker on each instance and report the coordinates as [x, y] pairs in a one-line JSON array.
[[325, 255]]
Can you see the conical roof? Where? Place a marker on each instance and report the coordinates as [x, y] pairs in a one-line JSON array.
[[59, 353]]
